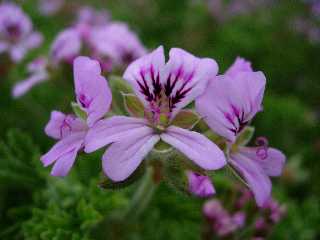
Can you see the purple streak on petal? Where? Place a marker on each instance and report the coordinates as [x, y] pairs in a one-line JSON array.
[[122, 158], [229, 103], [200, 185], [61, 125], [92, 90], [114, 129], [196, 147]]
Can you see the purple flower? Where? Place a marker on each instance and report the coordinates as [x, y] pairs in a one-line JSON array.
[[66, 46], [38, 71], [50, 7], [232, 100], [16, 35], [117, 42], [89, 16], [228, 105], [200, 185], [94, 96], [164, 89]]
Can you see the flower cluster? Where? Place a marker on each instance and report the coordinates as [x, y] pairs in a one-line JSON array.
[[158, 107], [113, 44], [238, 218]]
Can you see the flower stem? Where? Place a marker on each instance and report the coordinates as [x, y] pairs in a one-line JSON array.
[[142, 196]]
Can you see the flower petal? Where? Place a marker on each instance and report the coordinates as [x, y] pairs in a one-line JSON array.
[[144, 74], [92, 90], [272, 164], [24, 86], [185, 77], [239, 65], [64, 146], [64, 163], [229, 104], [258, 181], [122, 158], [66, 46], [196, 147], [117, 128]]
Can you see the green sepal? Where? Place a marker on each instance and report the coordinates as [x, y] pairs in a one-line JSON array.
[[186, 119], [78, 111], [245, 136], [133, 105], [118, 86]]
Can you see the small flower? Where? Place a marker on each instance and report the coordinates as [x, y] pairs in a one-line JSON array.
[[228, 105], [200, 185], [16, 35], [164, 89], [118, 43], [38, 71], [94, 96]]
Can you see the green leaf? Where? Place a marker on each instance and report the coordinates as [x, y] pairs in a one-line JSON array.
[[186, 119], [245, 136], [78, 111], [133, 105]]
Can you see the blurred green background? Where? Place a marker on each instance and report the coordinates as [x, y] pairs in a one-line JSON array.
[[34, 205]]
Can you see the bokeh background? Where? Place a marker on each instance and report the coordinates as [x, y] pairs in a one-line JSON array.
[[280, 38]]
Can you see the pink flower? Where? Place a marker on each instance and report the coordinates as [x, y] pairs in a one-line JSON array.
[[228, 105], [117, 42], [94, 97], [164, 89], [16, 35], [38, 73], [200, 185]]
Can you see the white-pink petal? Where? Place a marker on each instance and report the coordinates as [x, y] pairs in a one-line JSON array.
[[114, 129], [196, 147], [122, 158]]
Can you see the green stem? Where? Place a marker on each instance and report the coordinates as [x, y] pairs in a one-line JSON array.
[[142, 196]]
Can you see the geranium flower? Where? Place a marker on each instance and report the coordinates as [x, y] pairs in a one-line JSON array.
[[228, 105], [94, 98], [16, 34], [118, 43], [164, 89]]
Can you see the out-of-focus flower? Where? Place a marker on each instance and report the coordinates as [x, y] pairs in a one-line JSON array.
[[118, 43], [50, 7], [16, 34], [38, 71], [164, 89], [200, 185], [276, 210], [66, 46], [221, 221], [94, 98], [228, 105], [92, 17], [223, 11]]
